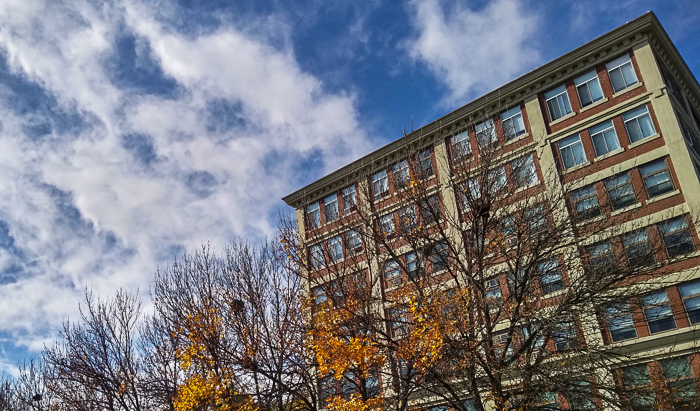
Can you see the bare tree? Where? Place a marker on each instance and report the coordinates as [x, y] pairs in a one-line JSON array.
[[500, 301]]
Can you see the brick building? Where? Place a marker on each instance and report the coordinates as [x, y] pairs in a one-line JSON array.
[[611, 128]]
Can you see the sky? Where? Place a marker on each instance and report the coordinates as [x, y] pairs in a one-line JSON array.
[[131, 131]]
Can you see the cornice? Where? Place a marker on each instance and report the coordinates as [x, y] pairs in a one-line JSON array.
[[536, 81]]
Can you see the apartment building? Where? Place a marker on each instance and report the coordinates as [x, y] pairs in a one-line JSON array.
[[613, 130]]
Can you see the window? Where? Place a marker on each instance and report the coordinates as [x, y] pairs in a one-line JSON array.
[[461, 149], [512, 123], [319, 295], [601, 257], [392, 273], [353, 241], [604, 138], [691, 300], [335, 249], [524, 171], [497, 180], [397, 318], [657, 312], [349, 199], [680, 381], [424, 166], [517, 281], [430, 210], [349, 385], [636, 382], [536, 219], [330, 207], [439, 257], [470, 192], [372, 385], [620, 323], [588, 88], [550, 277], [581, 397], [326, 387], [494, 298], [386, 225], [414, 265], [380, 185], [677, 238], [621, 73], [557, 102], [316, 256], [402, 174], [502, 341], [638, 124], [313, 215], [586, 202], [509, 228], [485, 133], [657, 179], [620, 191], [407, 219], [571, 151], [564, 335], [637, 248]]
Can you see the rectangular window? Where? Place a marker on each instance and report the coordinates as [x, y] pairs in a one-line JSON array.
[[326, 388], [470, 192], [335, 249], [588, 88], [349, 199], [430, 210], [330, 207], [677, 238], [636, 383], [680, 381], [638, 248], [638, 124], [571, 151], [620, 322], [424, 164], [316, 256], [550, 276], [512, 123], [353, 241], [604, 138], [585, 202], [398, 321], [657, 312], [691, 300], [524, 171], [497, 180], [494, 298], [558, 103], [502, 341], [386, 225], [656, 177], [402, 175], [509, 226], [439, 257], [414, 265], [319, 295], [536, 219], [313, 215], [380, 185], [392, 273], [620, 191], [621, 73], [408, 221], [461, 149], [485, 133], [601, 258], [565, 335]]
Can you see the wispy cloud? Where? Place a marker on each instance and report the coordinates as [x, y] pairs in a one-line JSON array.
[[125, 141], [473, 50]]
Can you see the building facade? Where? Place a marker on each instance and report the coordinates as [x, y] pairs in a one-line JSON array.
[[611, 128]]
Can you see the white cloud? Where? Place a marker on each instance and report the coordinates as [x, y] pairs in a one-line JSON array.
[[472, 51], [84, 210]]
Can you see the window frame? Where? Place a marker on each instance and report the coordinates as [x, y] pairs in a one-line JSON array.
[[331, 201], [349, 197], [632, 246], [401, 173], [461, 147], [439, 257], [556, 283], [430, 210], [635, 115], [316, 257], [391, 272], [313, 222], [424, 164], [525, 163], [587, 195], [335, 249], [353, 241], [554, 94], [625, 187], [380, 185], [514, 118], [569, 144], [683, 230], [619, 322], [584, 81], [617, 64], [602, 130], [660, 321], [693, 314], [607, 258], [655, 173], [386, 224], [485, 133]]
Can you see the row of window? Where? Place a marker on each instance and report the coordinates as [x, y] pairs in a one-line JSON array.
[[413, 263], [512, 125], [402, 173], [329, 207], [638, 125], [407, 218], [621, 74], [657, 310], [335, 249]]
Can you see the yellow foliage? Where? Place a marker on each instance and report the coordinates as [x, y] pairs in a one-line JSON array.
[[355, 403]]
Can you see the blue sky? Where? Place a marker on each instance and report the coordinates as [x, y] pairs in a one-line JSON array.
[[133, 130]]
